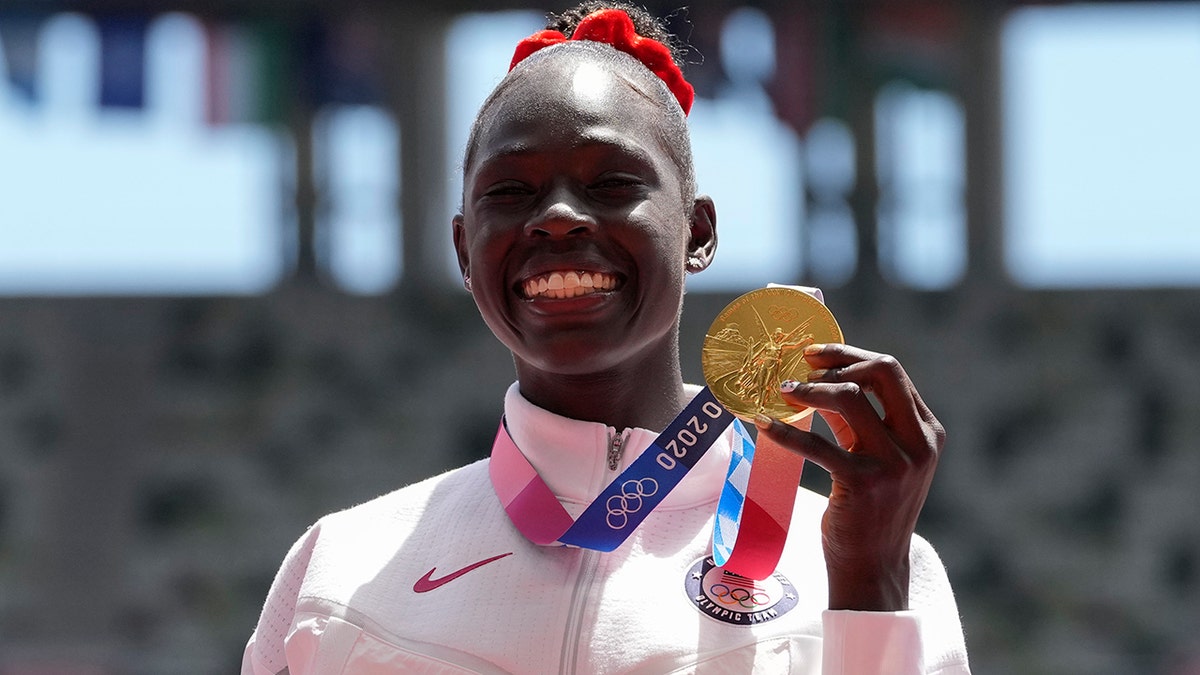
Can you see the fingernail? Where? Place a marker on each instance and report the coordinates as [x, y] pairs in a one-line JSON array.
[[788, 386], [762, 421], [815, 375], [814, 349]]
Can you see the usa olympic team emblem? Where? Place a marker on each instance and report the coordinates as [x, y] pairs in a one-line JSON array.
[[728, 597]]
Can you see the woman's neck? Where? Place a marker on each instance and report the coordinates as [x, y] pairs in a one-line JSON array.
[[637, 395]]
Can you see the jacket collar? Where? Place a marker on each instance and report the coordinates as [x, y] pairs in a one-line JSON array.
[[571, 456]]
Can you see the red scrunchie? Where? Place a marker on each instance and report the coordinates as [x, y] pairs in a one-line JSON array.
[[614, 27]]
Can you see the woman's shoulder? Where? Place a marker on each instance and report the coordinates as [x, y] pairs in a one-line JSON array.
[[349, 547], [441, 492]]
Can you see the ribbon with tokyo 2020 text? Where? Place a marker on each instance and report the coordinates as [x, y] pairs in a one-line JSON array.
[[628, 499]]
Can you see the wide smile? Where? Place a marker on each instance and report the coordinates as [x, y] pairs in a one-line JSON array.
[[566, 284]]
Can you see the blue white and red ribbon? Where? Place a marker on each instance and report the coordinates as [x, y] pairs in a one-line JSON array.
[[628, 499], [733, 496]]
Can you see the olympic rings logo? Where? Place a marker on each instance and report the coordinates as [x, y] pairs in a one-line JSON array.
[[741, 596], [783, 314], [629, 501]]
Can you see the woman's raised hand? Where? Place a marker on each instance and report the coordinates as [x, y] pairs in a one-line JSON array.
[[882, 466]]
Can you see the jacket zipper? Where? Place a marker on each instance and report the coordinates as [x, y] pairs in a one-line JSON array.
[[588, 564], [615, 449]]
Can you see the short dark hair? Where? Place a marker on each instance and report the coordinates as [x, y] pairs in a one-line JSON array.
[[675, 130], [645, 23]]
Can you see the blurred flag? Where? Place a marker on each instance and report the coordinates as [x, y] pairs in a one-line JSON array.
[[796, 88], [19, 37], [247, 68], [346, 61], [122, 60]]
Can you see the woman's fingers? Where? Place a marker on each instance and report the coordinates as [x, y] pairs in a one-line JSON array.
[[850, 402], [843, 433], [811, 446], [880, 374]]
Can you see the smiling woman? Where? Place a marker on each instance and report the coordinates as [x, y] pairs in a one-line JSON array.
[[553, 187], [583, 544]]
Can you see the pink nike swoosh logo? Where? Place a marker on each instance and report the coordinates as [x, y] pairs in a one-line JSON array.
[[428, 583]]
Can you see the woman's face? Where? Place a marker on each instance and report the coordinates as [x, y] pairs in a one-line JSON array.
[[574, 230]]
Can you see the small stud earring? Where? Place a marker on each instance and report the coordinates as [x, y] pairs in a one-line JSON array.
[[693, 264]]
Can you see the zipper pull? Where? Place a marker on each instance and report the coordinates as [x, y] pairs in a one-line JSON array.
[[614, 451]]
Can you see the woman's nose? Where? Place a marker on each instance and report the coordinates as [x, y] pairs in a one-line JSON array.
[[561, 215]]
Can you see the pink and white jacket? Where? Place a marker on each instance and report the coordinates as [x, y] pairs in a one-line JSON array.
[[434, 578]]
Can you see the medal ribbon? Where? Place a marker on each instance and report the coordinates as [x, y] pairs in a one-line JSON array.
[[733, 496], [755, 509], [628, 499]]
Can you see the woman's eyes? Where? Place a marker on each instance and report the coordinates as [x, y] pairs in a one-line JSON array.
[[508, 190], [605, 188], [507, 194], [618, 184]]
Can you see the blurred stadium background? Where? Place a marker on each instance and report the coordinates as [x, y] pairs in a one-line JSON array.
[[228, 304]]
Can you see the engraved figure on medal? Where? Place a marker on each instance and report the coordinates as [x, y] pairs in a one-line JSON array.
[[748, 352], [760, 374]]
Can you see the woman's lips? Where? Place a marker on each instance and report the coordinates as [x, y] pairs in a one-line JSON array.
[[567, 284]]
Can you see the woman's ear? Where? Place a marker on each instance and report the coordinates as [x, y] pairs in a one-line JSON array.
[[461, 249], [702, 241]]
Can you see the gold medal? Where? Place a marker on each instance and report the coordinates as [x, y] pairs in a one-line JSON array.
[[757, 342]]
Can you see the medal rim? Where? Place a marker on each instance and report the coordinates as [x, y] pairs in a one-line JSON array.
[[815, 308]]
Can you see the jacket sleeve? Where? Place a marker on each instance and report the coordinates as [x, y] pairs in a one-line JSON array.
[[264, 653], [927, 639]]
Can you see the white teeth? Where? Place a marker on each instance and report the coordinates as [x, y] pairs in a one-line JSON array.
[[568, 284]]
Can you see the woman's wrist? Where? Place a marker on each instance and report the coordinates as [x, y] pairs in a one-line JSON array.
[[869, 587]]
